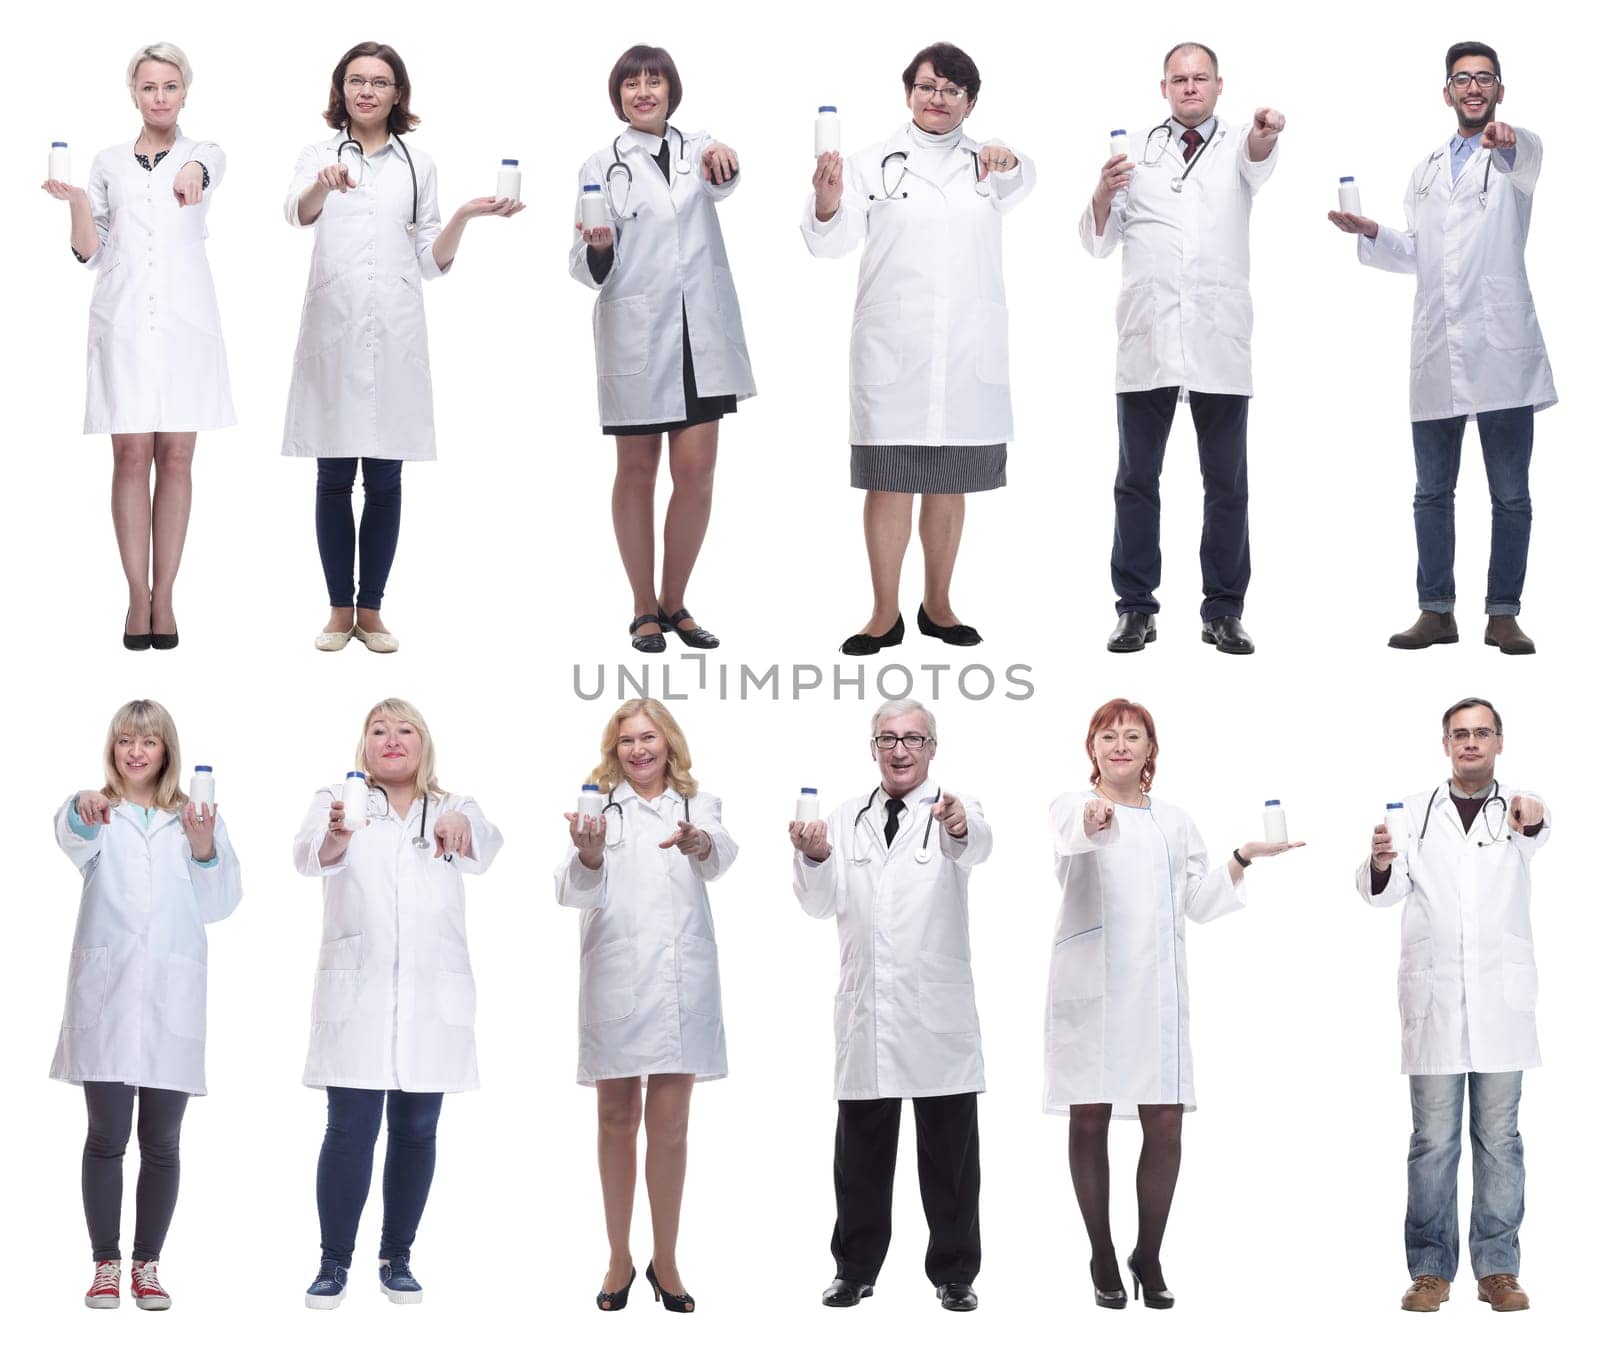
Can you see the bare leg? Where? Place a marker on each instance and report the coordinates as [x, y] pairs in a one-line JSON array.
[[633, 518], [1090, 1163], [169, 523], [943, 516], [692, 456], [1157, 1179], [132, 455], [666, 1157], [618, 1101], [887, 520]]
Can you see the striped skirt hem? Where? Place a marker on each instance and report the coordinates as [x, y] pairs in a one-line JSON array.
[[928, 470]]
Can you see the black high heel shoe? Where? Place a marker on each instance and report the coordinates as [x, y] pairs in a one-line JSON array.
[[1115, 1298], [615, 1302], [134, 642], [673, 1302], [696, 636], [646, 643], [1160, 1298], [858, 646]]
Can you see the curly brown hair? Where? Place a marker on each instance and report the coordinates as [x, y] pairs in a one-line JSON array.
[[401, 118]]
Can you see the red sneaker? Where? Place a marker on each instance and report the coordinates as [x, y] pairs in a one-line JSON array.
[[106, 1290], [148, 1293]]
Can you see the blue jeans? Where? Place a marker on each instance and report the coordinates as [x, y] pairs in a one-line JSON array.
[[1506, 436], [344, 1169], [1433, 1241]]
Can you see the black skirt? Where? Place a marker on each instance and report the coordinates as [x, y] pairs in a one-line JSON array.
[[697, 409]]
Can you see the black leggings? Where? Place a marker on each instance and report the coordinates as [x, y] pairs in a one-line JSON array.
[[110, 1123], [336, 527]]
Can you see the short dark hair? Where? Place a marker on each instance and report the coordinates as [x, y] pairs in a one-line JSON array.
[[645, 60], [1461, 49], [401, 118], [1469, 702], [1184, 46], [950, 63]]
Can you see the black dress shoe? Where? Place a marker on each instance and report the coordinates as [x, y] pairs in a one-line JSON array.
[[135, 642], [1158, 1298], [696, 637], [1114, 1298], [963, 635], [1134, 630], [845, 1293], [957, 1297], [858, 646], [672, 1302], [1228, 635], [617, 1300], [164, 641], [646, 643]]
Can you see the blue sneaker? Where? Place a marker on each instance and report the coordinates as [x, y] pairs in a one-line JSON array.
[[327, 1289], [397, 1281]]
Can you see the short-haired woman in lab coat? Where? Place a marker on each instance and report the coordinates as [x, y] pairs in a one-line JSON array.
[[649, 995], [361, 393], [156, 869], [669, 344], [1131, 868], [158, 374], [394, 1001]]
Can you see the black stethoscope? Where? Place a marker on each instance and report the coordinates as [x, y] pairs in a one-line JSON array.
[[420, 841], [611, 803], [361, 156], [1166, 127], [922, 854], [617, 162], [979, 186], [1433, 173], [1494, 835]]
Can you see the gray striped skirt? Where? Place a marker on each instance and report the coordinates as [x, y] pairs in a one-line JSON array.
[[928, 470]]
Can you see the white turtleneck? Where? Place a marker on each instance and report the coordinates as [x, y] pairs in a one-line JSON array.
[[935, 142]]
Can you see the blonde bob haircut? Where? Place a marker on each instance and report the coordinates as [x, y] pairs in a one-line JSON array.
[[609, 774], [402, 712], [141, 719], [168, 52]]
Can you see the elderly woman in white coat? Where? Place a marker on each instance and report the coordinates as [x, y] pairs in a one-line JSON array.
[[156, 869], [1131, 869], [670, 355], [930, 399], [649, 992], [158, 374], [393, 1005], [361, 393]]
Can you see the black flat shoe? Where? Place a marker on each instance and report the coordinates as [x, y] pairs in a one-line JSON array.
[[615, 1302], [1134, 630], [963, 635], [957, 1297], [673, 1302], [646, 643], [845, 1293], [1159, 1298], [135, 642], [858, 646], [1228, 635], [696, 637], [1114, 1298], [164, 641]]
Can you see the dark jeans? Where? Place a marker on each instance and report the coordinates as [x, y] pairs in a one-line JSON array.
[[1144, 419], [110, 1106], [1506, 436], [344, 1169], [336, 527], [864, 1147]]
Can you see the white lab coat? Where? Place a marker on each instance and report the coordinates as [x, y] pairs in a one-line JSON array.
[[361, 384], [1184, 315], [929, 362], [1467, 982], [668, 262], [905, 1016], [136, 984], [394, 999], [156, 358], [1117, 1019], [1475, 340], [649, 994]]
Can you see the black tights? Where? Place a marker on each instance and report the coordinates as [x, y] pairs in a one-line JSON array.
[[1157, 1177]]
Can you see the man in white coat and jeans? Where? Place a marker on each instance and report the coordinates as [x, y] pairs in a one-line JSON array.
[[1476, 349], [891, 866], [1467, 991]]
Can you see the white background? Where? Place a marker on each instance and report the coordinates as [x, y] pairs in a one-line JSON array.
[[1288, 1215]]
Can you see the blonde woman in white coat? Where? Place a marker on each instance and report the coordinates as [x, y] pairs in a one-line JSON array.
[[156, 869], [649, 994], [394, 925], [1131, 869], [361, 393], [158, 374], [670, 354]]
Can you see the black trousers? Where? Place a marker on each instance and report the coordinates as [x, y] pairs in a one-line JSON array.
[[1144, 419], [947, 1169], [110, 1105]]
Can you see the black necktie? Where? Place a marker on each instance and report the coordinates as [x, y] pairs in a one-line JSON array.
[[896, 807], [1191, 143]]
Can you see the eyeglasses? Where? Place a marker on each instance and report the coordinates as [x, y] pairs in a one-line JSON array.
[[1461, 736], [1483, 79], [914, 741], [955, 93], [359, 82]]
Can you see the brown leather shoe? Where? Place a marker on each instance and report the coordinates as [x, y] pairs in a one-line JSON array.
[[1506, 635], [1502, 1292], [1432, 627], [1427, 1291]]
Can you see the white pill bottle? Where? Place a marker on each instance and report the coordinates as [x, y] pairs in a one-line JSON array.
[[1398, 822], [827, 137], [508, 183], [592, 207], [203, 787], [806, 808], [1349, 195], [590, 804], [1274, 823], [60, 162], [355, 801]]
